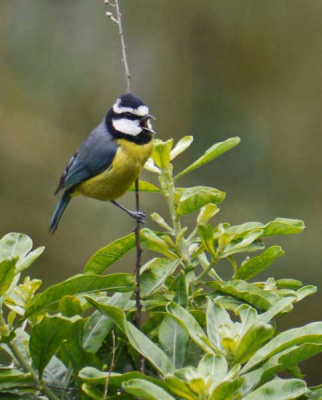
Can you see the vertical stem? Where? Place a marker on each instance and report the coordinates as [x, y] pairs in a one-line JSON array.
[[137, 319], [123, 46]]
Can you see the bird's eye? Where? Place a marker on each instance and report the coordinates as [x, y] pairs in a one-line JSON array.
[[128, 115]]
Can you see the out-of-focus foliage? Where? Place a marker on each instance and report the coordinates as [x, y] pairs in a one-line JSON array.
[[213, 69], [203, 338]]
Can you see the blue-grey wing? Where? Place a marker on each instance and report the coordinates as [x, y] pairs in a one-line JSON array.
[[94, 156]]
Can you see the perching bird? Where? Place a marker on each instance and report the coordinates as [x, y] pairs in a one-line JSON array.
[[110, 158]]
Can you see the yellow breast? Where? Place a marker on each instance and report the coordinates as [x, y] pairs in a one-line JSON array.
[[116, 180]]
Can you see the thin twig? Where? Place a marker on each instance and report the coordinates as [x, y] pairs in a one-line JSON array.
[[111, 367], [124, 59], [137, 319]]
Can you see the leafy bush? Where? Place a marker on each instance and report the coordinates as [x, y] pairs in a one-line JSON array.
[[202, 337]]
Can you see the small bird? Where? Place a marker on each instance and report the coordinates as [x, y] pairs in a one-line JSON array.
[[110, 159]]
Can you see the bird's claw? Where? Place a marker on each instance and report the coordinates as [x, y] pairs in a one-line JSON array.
[[139, 216]]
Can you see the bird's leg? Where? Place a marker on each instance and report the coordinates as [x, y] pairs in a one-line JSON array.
[[137, 215]]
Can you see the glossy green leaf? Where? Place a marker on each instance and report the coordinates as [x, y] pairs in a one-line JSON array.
[[288, 284], [254, 338], [173, 340], [148, 349], [194, 198], [69, 306], [216, 315], [159, 220], [155, 272], [46, 338], [280, 306], [216, 366], [227, 390], [180, 388], [206, 234], [190, 324], [258, 264], [213, 152], [157, 244], [80, 284], [138, 340], [279, 226], [305, 291], [99, 325], [249, 243], [145, 187], [207, 212], [299, 354], [7, 273], [279, 390], [181, 296], [15, 245], [75, 351], [107, 255], [150, 166], [94, 376], [183, 144], [146, 390], [311, 333], [242, 290], [161, 152]]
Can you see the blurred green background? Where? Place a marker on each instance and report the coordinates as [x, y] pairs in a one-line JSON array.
[[211, 69]]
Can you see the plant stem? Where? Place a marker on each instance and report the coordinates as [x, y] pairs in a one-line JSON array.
[[137, 319], [41, 385], [123, 46]]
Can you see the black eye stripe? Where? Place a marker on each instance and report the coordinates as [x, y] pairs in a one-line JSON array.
[[127, 116]]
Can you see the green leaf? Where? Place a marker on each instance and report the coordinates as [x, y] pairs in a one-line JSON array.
[[194, 198], [145, 187], [159, 220], [173, 340], [107, 255], [161, 152], [183, 144], [258, 264], [148, 349], [215, 366], [155, 272], [279, 226], [254, 338], [207, 212], [46, 338], [253, 295], [80, 284], [249, 243], [299, 354], [146, 390], [12, 377], [150, 166], [15, 245], [280, 306], [181, 296], [7, 273], [73, 347], [99, 325], [189, 323], [157, 244], [206, 234], [94, 376], [216, 315], [311, 333], [138, 340], [213, 152], [227, 390], [288, 284], [279, 390], [69, 306]]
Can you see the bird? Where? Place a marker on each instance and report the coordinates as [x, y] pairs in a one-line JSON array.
[[110, 159]]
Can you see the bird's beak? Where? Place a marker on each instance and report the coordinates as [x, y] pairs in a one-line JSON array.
[[146, 124]]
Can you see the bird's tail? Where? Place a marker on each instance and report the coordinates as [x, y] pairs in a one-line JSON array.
[[59, 211]]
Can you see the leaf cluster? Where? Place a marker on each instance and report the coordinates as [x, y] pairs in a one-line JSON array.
[[203, 337]]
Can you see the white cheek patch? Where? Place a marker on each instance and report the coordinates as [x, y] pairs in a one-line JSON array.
[[127, 126], [120, 110]]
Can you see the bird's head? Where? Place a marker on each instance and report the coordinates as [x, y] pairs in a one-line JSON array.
[[129, 118]]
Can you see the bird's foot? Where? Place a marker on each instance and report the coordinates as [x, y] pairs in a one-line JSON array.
[[139, 216]]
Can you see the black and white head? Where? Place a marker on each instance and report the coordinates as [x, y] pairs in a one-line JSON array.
[[129, 118]]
